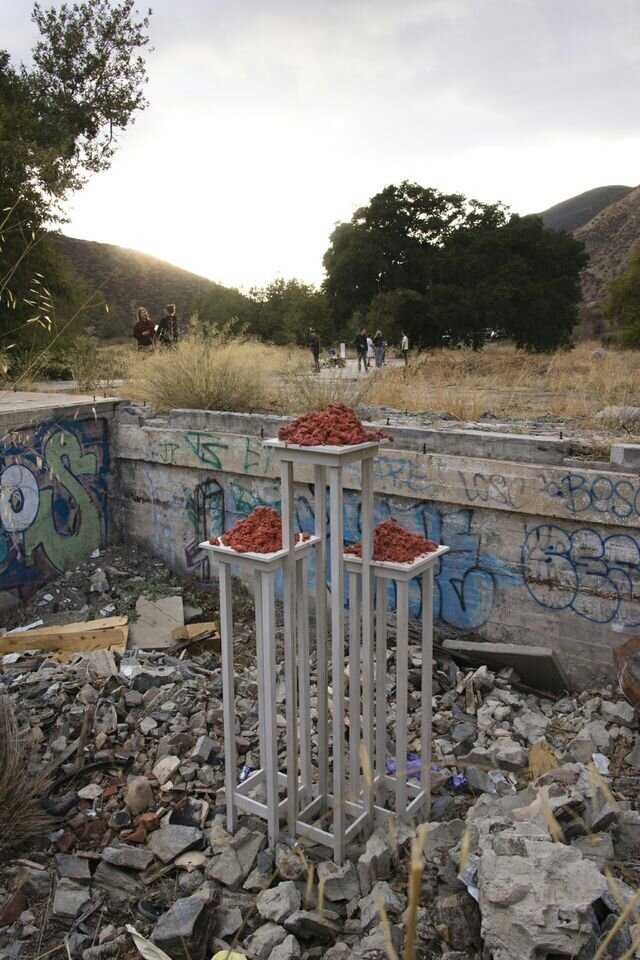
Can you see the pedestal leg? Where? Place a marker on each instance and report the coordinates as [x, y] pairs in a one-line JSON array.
[[337, 652], [270, 761], [320, 507], [260, 645], [381, 683], [402, 677], [367, 635], [354, 684], [289, 605], [228, 695], [304, 678], [427, 686]]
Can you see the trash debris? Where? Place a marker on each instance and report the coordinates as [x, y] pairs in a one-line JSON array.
[[626, 659]]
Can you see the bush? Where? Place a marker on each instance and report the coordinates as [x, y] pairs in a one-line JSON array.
[[22, 818], [206, 373]]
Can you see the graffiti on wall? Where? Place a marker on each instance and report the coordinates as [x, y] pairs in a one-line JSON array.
[[603, 494], [53, 500], [594, 575]]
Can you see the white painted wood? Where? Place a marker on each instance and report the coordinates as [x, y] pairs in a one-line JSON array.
[[320, 506], [367, 637], [228, 695], [402, 678], [354, 685], [336, 524], [304, 680], [427, 686], [289, 610], [381, 683], [270, 723], [261, 641]]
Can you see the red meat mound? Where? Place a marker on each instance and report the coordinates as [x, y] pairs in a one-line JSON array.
[[336, 426], [393, 543], [260, 532]]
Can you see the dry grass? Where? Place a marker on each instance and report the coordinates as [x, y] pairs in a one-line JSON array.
[[22, 818], [510, 384], [306, 392], [208, 375]]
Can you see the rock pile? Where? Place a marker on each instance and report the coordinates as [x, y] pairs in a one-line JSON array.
[[533, 849]]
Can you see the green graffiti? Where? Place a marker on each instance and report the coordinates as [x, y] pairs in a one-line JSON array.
[[256, 457], [204, 445], [65, 550]]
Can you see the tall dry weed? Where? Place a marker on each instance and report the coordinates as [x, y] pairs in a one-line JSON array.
[[306, 392], [22, 818], [206, 374]]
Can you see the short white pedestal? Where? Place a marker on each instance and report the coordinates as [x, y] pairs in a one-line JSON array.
[[264, 567], [410, 799]]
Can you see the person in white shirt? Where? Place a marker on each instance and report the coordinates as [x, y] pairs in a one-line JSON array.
[[405, 348], [371, 353]]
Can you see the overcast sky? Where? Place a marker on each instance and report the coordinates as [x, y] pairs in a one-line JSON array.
[[271, 120]]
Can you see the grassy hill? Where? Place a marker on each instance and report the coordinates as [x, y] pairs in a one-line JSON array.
[[128, 279], [610, 238], [573, 213]]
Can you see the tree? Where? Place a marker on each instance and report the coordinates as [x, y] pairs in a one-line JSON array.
[[286, 309], [433, 264], [622, 305], [59, 123]]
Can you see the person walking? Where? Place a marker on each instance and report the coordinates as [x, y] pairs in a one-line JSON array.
[[144, 330], [405, 348], [378, 345], [167, 331], [360, 343], [314, 346], [371, 353]]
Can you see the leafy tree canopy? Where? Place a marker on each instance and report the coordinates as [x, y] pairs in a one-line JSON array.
[[433, 264], [286, 309], [59, 123], [622, 306]]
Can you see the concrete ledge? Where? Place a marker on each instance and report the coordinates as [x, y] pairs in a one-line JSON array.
[[626, 455], [24, 409]]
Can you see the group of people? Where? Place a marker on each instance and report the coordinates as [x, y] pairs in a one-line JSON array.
[[374, 349], [149, 334], [369, 349]]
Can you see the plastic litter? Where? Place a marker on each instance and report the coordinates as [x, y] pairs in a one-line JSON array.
[[412, 768], [245, 773], [601, 763], [459, 783]]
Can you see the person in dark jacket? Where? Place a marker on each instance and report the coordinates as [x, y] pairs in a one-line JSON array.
[[378, 346], [314, 346], [144, 330], [168, 327], [360, 343]]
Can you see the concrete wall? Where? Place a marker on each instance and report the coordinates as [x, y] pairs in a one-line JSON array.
[[541, 553], [55, 464]]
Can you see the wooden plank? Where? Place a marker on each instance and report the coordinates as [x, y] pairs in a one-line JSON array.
[[55, 639]]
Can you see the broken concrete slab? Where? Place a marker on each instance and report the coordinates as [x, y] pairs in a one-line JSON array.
[[537, 667], [157, 619]]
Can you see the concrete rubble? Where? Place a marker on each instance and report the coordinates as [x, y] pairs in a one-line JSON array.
[[519, 864]]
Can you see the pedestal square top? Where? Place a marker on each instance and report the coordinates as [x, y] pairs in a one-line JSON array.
[[263, 561], [331, 456], [396, 571]]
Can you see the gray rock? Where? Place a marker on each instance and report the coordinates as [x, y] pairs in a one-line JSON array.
[[247, 845], [138, 795], [619, 712], [626, 835], [526, 902], [73, 868], [226, 869], [633, 758], [339, 951], [289, 864], [106, 718], [266, 938], [509, 755], [464, 731], [228, 921], [340, 883], [442, 837], [456, 917], [383, 894], [188, 883], [479, 780], [597, 847], [531, 726], [184, 930], [35, 884], [375, 862], [172, 840], [279, 902], [119, 885], [603, 817], [310, 925], [69, 898], [289, 949], [165, 768], [203, 749], [132, 858], [375, 946]]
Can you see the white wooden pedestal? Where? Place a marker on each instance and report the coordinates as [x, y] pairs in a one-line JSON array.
[[263, 567], [410, 799], [334, 815]]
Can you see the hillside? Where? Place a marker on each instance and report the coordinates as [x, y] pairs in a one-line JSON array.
[[610, 238], [575, 212], [128, 279]]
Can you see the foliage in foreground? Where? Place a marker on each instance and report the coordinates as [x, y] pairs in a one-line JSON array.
[[622, 306], [22, 818]]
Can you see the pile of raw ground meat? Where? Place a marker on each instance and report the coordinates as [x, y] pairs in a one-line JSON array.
[[260, 532], [335, 426], [394, 544]]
